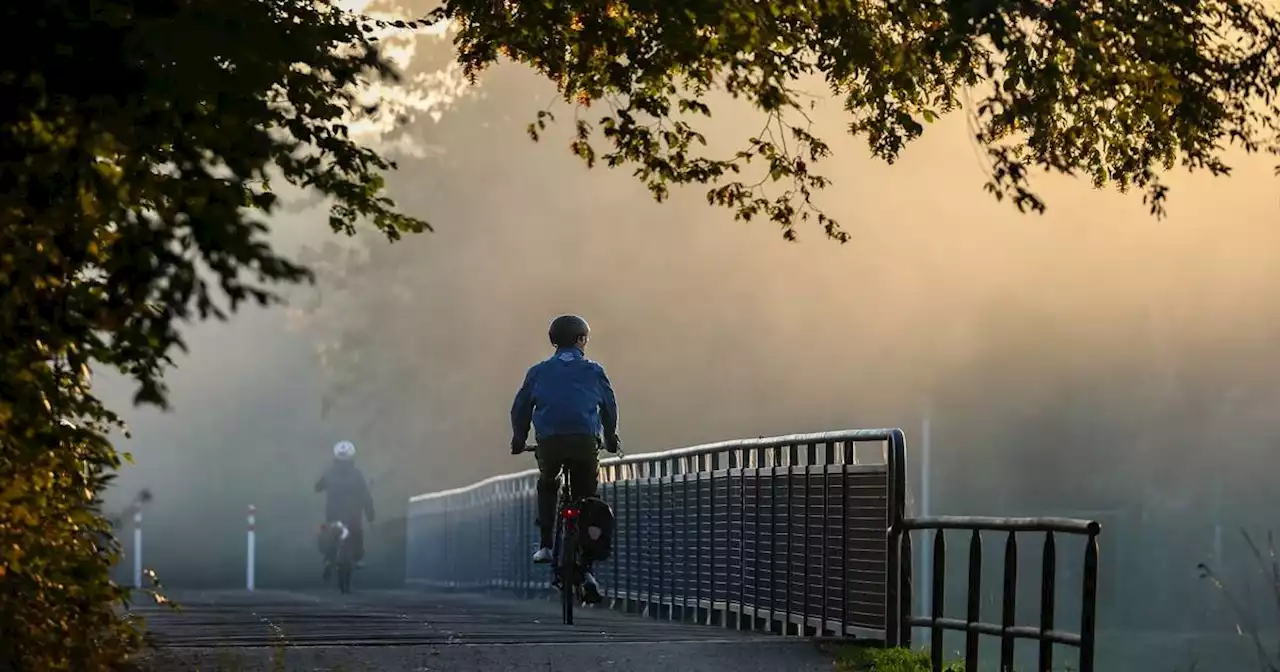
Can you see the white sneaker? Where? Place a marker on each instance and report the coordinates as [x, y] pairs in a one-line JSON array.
[[590, 589], [542, 557]]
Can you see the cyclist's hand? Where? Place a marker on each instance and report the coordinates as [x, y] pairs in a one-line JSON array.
[[613, 444], [517, 447]]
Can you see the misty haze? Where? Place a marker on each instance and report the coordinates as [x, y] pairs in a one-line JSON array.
[[1093, 362]]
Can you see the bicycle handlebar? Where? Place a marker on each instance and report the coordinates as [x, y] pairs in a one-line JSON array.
[[533, 448]]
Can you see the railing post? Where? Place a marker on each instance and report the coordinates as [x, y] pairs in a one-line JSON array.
[[251, 547], [895, 460], [905, 602], [1089, 599]]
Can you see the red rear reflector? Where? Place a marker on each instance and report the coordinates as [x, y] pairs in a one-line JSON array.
[[569, 513]]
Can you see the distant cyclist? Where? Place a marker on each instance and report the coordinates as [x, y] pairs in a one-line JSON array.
[[570, 402], [347, 500]]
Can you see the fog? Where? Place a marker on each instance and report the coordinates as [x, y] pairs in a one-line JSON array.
[[1093, 360]]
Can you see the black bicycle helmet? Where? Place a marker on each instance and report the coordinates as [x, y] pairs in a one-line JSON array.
[[566, 330]]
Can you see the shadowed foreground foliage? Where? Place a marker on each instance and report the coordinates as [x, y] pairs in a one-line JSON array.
[[1111, 90], [136, 146]]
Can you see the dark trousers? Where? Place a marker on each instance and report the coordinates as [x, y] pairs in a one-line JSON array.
[[576, 453]]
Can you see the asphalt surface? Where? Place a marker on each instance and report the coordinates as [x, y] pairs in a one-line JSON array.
[[409, 630]]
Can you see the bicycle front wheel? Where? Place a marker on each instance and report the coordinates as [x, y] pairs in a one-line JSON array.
[[568, 573]]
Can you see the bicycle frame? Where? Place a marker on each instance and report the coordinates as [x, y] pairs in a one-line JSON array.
[[566, 534], [564, 545], [342, 554]]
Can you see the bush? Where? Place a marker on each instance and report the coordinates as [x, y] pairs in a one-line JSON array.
[[58, 606]]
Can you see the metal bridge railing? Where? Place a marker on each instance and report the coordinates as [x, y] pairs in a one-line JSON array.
[[786, 534], [795, 534]]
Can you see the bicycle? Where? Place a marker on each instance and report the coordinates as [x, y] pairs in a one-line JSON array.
[[567, 566], [337, 534]]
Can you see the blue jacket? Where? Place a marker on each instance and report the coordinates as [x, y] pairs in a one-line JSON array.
[[565, 394]]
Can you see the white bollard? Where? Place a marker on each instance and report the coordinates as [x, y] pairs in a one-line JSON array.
[[137, 546], [248, 575]]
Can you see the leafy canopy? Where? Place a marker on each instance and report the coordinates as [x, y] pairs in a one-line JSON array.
[[138, 142], [1114, 90]]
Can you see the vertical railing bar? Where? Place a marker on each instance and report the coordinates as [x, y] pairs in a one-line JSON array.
[[712, 570], [1048, 590], [615, 478], [974, 612], [806, 555], [822, 538], [662, 537], [648, 565], [675, 534], [623, 552], [513, 513], [939, 597], [773, 539], [697, 537], [1008, 609], [489, 516], [680, 541], [629, 507], [695, 469], [1089, 606], [845, 569], [787, 568], [738, 457], [757, 557]]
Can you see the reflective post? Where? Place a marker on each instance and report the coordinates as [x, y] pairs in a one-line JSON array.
[[137, 546], [249, 561]]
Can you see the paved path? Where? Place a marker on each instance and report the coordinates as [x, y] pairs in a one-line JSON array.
[[406, 630]]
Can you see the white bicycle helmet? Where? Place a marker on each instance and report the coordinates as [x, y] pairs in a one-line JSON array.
[[344, 450]]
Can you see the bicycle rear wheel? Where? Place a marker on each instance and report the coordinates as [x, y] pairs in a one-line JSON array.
[[568, 572], [345, 566], [344, 576]]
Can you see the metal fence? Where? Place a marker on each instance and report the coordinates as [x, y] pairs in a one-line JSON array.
[[785, 534], [1045, 632]]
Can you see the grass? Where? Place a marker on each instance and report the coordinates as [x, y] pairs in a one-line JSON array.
[[875, 659], [1248, 624]]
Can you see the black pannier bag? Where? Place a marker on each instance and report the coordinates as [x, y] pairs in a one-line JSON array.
[[596, 529]]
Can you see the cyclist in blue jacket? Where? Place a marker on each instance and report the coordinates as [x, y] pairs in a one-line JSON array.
[[571, 404]]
